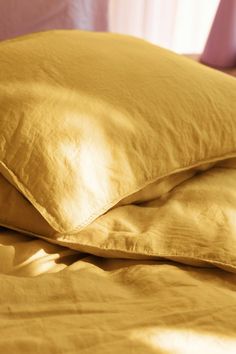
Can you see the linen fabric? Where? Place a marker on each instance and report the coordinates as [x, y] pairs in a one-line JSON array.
[[115, 147], [117, 198]]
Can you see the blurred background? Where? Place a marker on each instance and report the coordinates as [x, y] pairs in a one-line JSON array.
[[179, 25], [203, 27]]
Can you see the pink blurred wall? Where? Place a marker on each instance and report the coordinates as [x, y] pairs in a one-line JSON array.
[[220, 49], [18, 17]]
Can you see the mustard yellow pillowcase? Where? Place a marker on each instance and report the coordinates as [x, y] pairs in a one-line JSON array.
[[87, 119]]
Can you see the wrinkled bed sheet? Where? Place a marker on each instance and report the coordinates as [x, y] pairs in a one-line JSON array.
[[128, 201], [56, 300]]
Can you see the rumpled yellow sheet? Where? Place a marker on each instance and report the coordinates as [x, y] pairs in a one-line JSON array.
[[123, 184], [54, 299], [193, 223], [97, 305]]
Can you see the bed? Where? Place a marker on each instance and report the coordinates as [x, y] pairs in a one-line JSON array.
[[117, 198]]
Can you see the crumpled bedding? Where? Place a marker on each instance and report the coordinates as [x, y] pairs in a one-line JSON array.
[[117, 208], [194, 223], [59, 300], [95, 305]]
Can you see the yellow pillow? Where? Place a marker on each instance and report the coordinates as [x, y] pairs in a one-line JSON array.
[[87, 119]]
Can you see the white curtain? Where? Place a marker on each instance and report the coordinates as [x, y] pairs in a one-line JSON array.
[[180, 25]]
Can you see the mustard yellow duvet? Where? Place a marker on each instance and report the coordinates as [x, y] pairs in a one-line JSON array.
[[117, 198], [88, 304]]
